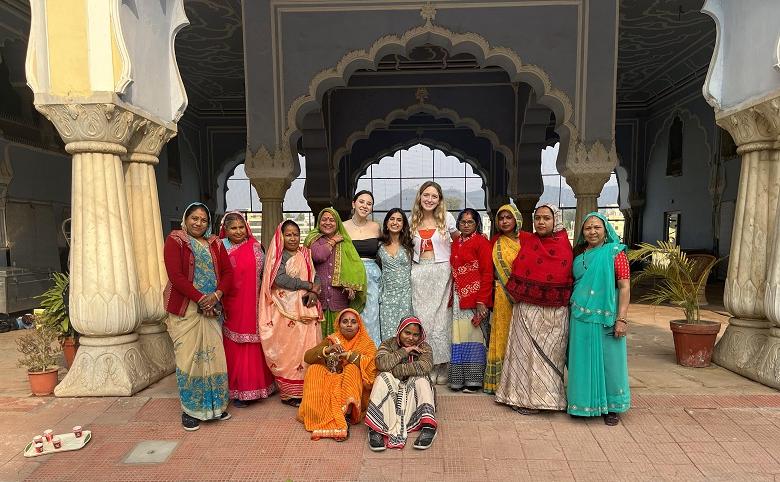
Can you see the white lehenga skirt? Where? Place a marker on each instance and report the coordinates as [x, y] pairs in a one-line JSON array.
[[431, 295]]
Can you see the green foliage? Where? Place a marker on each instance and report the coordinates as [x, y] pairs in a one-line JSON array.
[[38, 348], [680, 276], [54, 304]]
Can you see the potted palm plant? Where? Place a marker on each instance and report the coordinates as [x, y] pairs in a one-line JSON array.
[[38, 350], [678, 280], [54, 306]]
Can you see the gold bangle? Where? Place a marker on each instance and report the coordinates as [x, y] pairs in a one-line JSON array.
[[322, 355], [623, 320]]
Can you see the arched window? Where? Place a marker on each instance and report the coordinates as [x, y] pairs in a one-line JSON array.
[[558, 192], [242, 196], [395, 179]]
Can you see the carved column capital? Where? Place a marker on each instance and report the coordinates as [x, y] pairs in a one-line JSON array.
[[270, 189], [754, 128], [262, 163], [147, 141], [590, 161], [93, 123]]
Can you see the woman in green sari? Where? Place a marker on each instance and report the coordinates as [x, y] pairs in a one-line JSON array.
[[340, 271], [598, 365]]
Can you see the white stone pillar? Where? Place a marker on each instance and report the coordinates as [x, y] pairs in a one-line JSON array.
[[144, 208], [271, 175], [586, 170], [105, 304], [751, 342]]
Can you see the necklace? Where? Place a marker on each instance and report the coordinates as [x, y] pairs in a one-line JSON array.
[[359, 226]]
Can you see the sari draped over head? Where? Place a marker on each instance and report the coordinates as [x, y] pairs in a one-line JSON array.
[[201, 369], [505, 249], [348, 270], [594, 299], [598, 364], [402, 400], [541, 273], [330, 397], [287, 326], [248, 375]]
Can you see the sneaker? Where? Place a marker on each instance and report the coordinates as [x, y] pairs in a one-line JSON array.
[[469, 390], [376, 441], [223, 417], [189, 423], [425, 439]]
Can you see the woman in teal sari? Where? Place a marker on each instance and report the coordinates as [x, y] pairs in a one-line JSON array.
[[598, 366]]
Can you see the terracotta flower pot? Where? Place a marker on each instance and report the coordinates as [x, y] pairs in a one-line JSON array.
[[694, 342], [43, 383], [69, 348]]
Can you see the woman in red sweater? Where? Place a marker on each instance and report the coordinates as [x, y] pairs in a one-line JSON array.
[[199, 274], [472, 270]]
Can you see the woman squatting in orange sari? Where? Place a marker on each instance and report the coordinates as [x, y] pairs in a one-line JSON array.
[[339, 379]]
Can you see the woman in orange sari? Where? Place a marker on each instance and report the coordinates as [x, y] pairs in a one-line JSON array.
[[290, 312], [339, 379]]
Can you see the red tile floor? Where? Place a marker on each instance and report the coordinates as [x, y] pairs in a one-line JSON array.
[[685, 424]]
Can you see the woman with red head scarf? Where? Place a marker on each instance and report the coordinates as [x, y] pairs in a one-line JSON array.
[[248, 376], [402, 399]]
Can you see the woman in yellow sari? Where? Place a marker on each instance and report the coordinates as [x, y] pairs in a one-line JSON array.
[[505, 249], [338, 381]]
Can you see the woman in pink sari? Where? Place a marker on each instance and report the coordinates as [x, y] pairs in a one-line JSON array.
[[290, 310], [248, 375]]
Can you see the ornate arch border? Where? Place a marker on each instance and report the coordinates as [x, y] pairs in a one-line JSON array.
[[455, 43], [439, 112]]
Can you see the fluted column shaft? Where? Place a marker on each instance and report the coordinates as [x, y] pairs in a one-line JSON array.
[[748, 346], [271, 192], [526, 206], [104, 298], [144, 207]]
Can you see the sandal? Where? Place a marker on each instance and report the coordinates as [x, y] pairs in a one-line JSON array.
[[611, 419], [292, 402]]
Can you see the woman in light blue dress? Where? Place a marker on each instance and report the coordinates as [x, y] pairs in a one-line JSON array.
[[395, 256], [365, 234]]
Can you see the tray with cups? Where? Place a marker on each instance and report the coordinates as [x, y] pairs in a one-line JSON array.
[[50, 442]]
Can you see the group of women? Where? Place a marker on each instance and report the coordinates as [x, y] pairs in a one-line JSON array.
[[362, 320]]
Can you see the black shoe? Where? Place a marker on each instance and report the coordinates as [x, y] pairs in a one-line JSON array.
[[223, 417], [189, 423], [240, 403], [611, 419], [376, 441], [293, 402], [425, 439]]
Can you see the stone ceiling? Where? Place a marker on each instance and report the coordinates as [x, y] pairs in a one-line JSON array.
[[210, 54], [662, 44]]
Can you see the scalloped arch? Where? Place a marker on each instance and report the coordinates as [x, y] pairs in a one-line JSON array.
[[439, 112], [469, 42]]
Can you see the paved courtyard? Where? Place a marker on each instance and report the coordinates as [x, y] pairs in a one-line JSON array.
[[685, 424]]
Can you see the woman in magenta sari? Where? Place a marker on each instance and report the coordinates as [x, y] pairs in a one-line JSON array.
[[248, 376]]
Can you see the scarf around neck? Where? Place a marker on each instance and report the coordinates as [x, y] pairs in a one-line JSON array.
[[348, 269]]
